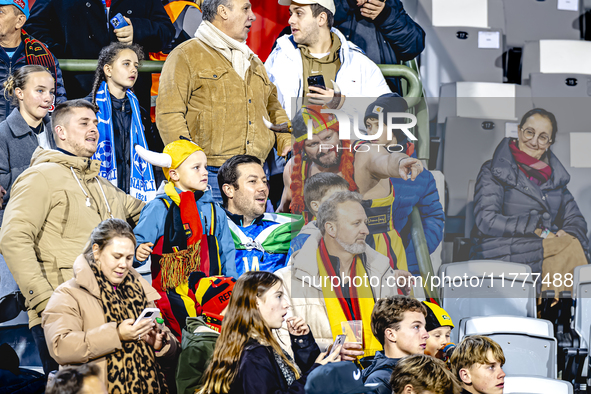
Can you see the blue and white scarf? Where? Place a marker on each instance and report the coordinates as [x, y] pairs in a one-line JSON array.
[[141, 185]]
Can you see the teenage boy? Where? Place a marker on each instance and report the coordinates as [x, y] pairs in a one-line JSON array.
[[184, 231], [398, 323], [421, 374], [478, 362]]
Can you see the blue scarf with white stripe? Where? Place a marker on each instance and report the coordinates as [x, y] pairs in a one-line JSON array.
[[141, 185]]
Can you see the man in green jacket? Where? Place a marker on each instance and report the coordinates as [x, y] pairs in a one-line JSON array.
[[201, 333]]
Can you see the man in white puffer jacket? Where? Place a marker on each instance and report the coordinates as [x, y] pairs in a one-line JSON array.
[[316, 48]]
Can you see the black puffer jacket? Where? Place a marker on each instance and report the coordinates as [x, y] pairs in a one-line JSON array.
[[508, 208]]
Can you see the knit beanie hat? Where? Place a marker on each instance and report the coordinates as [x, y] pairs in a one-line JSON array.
[[436, 317], [388, 103]]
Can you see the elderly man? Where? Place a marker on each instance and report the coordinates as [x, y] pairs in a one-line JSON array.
[[20, 49], [214, 90], [336, 277], [55, 205], [315, 49], [261, 239]]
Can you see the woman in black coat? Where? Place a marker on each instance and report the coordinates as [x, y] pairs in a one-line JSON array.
[[521, 197]]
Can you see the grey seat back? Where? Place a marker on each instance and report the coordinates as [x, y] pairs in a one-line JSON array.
[[582, 295], [452, 51], [528, 20], [526, 384], [555, 57], [528, 343], [493, 288]]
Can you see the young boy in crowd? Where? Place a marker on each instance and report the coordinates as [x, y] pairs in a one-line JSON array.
[[398, 323], [421, 374], [477, 361], [317, 189], [201, 333], [439, 326], [184, 231]]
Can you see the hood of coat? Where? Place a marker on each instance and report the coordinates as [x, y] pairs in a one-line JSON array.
[[203, 331], [84, 277], [82, 164], [305, 263], [380, 362], [286, 45], [504, 167]]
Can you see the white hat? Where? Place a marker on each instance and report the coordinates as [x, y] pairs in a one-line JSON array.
[[328, 4]]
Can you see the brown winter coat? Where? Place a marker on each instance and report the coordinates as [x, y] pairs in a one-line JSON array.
[[74, 322], [47, 223], [201, 97]]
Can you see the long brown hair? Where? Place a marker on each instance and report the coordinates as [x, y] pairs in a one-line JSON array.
[[241, 322]]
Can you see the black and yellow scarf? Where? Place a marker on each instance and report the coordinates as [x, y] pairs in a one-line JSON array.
[[133, 368]]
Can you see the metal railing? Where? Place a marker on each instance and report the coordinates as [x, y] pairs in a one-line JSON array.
[[413, 93]]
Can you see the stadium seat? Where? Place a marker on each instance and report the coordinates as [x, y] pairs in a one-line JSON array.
[[582, 295], [529, 20], [473, 118], [464, 42], [496, 296], [528, 343], [526, 384]]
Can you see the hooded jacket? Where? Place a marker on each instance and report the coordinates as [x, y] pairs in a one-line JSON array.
[[198, 345], [17, 144], [75, 327], [380, 372], [203, 98], [508, 208], [307, 300], [357, 77], [48, 221], [151, 226]]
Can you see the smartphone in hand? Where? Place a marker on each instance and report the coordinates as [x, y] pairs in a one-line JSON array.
[[339, 341], [317, 81], [148, 313], [118, 22]]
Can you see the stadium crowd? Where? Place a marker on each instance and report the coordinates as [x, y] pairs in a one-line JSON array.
[[239, 197]]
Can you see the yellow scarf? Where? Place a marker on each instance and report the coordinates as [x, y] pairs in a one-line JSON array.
[[363, 298]]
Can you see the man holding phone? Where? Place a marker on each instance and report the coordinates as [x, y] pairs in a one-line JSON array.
[[305, 64]]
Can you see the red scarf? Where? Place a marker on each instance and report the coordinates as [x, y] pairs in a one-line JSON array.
[[535, 170], [353, 313]]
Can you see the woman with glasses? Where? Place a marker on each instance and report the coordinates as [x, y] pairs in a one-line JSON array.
[[523, 210]]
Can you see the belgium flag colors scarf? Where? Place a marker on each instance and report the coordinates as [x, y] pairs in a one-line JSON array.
[[185, 247], [362, 301]]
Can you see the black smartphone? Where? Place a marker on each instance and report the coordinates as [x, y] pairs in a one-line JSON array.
[[317, 81]]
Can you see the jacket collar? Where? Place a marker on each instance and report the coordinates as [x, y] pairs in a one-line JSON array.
[[85, 278], [19, 126], [83, 165], [504, 168], [238, 219], [306, 262]]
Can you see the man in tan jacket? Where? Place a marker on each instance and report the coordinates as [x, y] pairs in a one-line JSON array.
[[215, 90], [55, 205]]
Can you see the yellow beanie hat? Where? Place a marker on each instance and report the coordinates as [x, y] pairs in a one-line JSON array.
[[173, 155]]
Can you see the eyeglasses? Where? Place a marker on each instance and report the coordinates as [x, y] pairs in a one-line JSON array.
[[543, 139]]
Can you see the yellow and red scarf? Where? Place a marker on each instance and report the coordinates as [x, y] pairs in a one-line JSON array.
[[362, 301]]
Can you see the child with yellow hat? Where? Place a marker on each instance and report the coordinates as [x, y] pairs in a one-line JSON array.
[[439, 326], [184, 231]]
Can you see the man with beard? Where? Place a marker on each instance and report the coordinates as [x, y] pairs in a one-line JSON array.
[[261, 239], [324, 152], [336, 277]]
